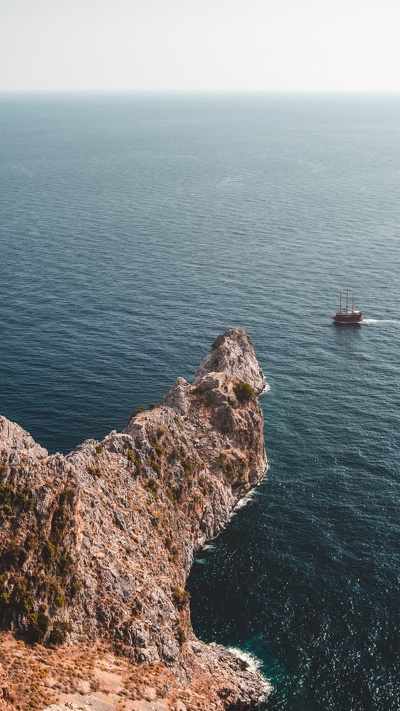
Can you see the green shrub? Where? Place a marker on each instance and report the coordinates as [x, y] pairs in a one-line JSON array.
[[55, 591], [58, 634], [137, 606], [173, 557], [156, 466], [134, 460], [6, 492], [242, 467], [21, 597], [180, 597], [31, 542], [38, 625], [170, 496], [152, 487], [61, 517], [244, 392], [141, 408], [98, 449], [229, 471], [13, 557], [181, 636], [94, 471], [3, 581], [5, 599], [48, 552], [20, 498], [188, 466], [59, 600], [24, 500], [65, 564], [76, 586]]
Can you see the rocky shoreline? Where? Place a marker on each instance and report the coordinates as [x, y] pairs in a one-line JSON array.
[[97, 545]]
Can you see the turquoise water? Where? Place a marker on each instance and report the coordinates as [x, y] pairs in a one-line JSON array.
[[133, 230]]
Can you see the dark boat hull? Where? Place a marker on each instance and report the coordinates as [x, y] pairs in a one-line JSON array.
[[349, 319]]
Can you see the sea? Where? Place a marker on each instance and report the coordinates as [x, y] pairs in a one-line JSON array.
[[134, 228]]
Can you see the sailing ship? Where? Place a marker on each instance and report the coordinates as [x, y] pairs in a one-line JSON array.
[[347, 316]]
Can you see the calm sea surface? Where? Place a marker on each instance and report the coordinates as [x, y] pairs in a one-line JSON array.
[[133, 230]]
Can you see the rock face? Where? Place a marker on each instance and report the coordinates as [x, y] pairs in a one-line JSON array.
[[7, 698], [99, 543]]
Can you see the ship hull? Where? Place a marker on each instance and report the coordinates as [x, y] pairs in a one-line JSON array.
[[349, 320]]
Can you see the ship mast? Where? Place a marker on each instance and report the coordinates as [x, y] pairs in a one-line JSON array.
[[347, 301], [352, 303], [340, 304]]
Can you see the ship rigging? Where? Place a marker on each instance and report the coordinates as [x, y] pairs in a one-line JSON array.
[[347, 316]]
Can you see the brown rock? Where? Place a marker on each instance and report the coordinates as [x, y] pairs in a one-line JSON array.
[[99, 543], [7, 698]]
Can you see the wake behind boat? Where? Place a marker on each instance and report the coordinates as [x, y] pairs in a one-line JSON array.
[[349, 317]]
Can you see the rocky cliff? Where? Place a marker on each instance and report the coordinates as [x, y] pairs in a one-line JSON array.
[[98, 544]]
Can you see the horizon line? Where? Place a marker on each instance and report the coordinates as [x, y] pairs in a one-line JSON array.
[[199, 91]]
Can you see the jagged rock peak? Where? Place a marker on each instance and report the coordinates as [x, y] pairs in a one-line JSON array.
[[177, 398], [233, 353], [98, 544], [19, 441]]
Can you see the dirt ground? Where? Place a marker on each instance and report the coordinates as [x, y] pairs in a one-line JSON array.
[[86, 676]]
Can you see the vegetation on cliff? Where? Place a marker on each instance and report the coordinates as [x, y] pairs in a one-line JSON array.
[[98, 544]]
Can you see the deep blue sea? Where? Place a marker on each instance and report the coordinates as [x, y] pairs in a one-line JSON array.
[[133, 230]]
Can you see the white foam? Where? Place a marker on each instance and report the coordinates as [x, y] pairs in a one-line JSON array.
[[380, 320], [253, 663], [250, 495], [242, 503], [266, 389]]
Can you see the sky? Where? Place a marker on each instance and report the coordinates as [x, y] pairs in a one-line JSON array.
[[200, 45]]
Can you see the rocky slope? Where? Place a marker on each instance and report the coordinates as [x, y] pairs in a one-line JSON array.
[[98, 543]]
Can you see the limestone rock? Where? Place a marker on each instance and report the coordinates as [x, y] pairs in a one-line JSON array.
[[99, 543], [233, 353], [178, 397]]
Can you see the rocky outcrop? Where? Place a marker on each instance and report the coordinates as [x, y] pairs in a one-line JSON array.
[[99, 543], [7, 698]]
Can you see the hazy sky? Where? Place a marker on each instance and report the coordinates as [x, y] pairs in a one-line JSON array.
[[200, 44]]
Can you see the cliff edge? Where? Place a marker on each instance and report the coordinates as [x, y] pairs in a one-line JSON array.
[[97, 545]]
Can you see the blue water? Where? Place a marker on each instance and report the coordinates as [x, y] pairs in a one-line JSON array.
[[133, 230]]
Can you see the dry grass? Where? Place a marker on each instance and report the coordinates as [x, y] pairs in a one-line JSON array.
[[89, 675]]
